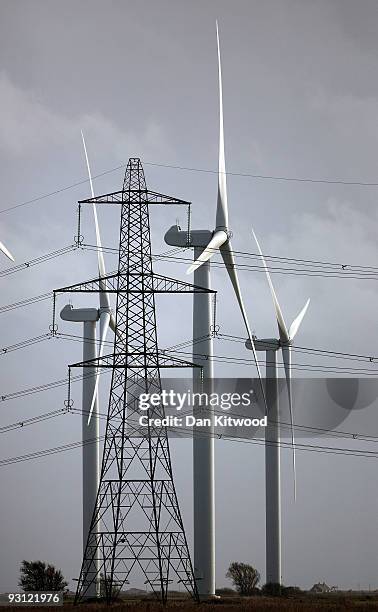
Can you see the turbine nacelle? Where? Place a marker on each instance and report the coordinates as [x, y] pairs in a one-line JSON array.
[[272, 344], [175, 236], [79, 315], [267, 344]]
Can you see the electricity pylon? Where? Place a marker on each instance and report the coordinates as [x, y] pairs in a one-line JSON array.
[[136, 521]]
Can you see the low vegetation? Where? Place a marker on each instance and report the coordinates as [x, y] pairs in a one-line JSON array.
[[246, 596], [306, 603], [40, 576], [244, 576]]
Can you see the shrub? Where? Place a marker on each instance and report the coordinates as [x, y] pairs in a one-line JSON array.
[[244, 576], [38, 576]]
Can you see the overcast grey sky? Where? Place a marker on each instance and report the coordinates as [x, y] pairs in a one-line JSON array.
[[300, 85]]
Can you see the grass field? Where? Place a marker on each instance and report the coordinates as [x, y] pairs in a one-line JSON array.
[[335, 601]]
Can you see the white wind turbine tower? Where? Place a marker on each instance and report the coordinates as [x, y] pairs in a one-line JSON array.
[[90, 416], [205, 244], [272, 434], [4, 249]]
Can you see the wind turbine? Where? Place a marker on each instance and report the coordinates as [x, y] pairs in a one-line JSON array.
[[90, 414], [205, 243], [220, 237], [4, 249], [272, 434]]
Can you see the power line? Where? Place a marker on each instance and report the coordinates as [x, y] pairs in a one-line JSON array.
[[299, 446], [303, 428], [60, 190], [45, 387], [247, 255], [218, 359], [319, 268], [26, 302], [48, 451], [358, 273], [259, 441], [239, 339], [64, 381], [301, 367], [33, 420], [25, 343], [334, 354], [38, 260], [328, 352], [283, 424], [266, 177], [97, 341], [46, 296], [354, 275], [63, 251], [310, 262]]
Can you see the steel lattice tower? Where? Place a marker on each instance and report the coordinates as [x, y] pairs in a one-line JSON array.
[[137, 521]]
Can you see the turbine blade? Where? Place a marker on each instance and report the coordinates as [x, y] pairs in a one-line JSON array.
[[221, 224], [297, 321], [113, 327], [222, 206], [229, 262], [219, 238], [284, 334], [104, 297], [286, 356], [112, 322], [104, 326], [4, 249]]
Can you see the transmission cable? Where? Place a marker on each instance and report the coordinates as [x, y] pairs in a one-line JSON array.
[[26, 302], [330, 353], [248, 255], [301, 367], [266, 177], [46, 296], [353, 275], [103, 416], [38, 260], [258, 441]]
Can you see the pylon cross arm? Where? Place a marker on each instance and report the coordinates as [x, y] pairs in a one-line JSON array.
[[95, 285], [135, 360], [125, 197], [146, 283]]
